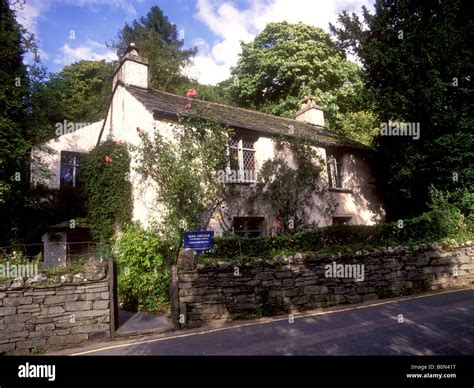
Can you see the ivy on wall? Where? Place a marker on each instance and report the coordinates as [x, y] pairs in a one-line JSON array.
[[108, 189]]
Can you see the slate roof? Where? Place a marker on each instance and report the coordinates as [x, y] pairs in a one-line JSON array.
[[170, 105]]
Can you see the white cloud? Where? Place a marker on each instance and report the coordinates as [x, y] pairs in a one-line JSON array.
[[233, 25], [90, 50], [43, 55], [206, 70], [29, 13], [201, 44], [122, 5]]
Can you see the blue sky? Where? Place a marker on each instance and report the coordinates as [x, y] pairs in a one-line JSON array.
[[215, 26]]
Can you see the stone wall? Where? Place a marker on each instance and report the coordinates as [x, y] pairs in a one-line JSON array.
[[44, 315], [230, 290]]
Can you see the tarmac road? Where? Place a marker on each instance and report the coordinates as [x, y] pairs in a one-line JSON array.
[[436, 324]]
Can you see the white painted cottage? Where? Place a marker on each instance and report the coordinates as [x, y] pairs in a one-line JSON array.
[[133, 105]]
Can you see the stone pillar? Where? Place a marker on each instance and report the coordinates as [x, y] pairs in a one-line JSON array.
[[186, 259], [55, 249], [174, 297], [113, 297]]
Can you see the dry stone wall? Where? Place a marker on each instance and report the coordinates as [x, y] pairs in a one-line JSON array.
[[38, 317], [230, 290]]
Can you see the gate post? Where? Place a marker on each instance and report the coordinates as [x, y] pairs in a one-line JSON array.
[[174, 297], [113, 297]]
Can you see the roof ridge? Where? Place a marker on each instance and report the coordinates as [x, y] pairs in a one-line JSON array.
[[317, 130], [235, 107]]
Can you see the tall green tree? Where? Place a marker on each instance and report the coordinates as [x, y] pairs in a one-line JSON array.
[[78, 93], [158, 40], [418, 64], [17, 127], [287, 61]]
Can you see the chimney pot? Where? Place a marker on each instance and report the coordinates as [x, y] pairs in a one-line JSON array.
[[310, 112], [132, 68]]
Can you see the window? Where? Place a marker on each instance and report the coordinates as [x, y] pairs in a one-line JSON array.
[[70, 169], [248, 226], [335, 171], [242, 159], [341, 220]]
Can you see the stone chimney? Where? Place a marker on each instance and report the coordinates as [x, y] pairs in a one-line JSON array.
[[132, 69], [310, 112]]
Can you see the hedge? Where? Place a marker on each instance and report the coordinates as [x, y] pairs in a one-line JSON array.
[[431, 226]]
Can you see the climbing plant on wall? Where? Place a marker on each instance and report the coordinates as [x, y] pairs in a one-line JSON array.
[[108, 189], [291, 190], [185, 169]]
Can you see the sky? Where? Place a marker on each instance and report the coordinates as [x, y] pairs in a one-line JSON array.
[[72, 30]]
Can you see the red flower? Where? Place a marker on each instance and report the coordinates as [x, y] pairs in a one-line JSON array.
[[191, 93], [187, 106], [108, 159], [279, 227], [120, 142]]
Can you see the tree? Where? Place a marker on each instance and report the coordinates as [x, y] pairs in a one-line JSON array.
[[215, 93], [418, 62], [78, 93], [18, 129], [159, 41], [285, 62]]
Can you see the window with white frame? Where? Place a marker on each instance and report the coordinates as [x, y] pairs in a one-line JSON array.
[[336, 170], [70, 169], [242, 159]]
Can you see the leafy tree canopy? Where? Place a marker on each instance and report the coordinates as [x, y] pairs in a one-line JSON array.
[[418, 64], [18, 126], [78, 93], [158, 40], [287, 61]]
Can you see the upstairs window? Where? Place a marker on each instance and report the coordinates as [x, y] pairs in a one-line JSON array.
[[70, 169], [242, 159], [335, 171]]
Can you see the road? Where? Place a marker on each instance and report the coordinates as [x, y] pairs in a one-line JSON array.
[[436, 324]]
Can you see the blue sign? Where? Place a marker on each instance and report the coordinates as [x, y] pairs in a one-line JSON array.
[[199, 240]]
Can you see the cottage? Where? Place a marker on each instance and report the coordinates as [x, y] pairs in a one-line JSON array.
[[348, 173]]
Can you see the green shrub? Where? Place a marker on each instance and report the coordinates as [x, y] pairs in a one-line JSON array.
[[428, 227], [460, 203], [309, 240], [143, 263], [108, 189], [433, 225], [461, 199]]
